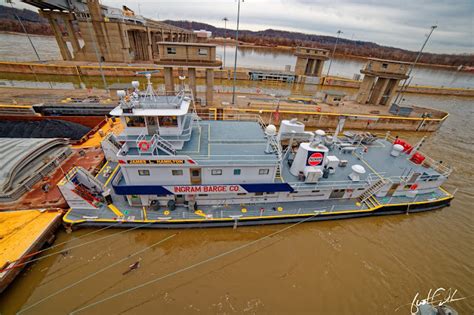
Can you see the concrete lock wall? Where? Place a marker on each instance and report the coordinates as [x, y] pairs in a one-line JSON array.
[[361, 122]]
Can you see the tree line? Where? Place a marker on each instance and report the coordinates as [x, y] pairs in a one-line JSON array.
[[273, 38]]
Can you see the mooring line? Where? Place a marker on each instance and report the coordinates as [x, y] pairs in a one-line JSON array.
[[75, 239], [191, 266], [76, 246], [94, 274]]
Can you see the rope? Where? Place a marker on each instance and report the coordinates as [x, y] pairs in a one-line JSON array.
[[94, 274], [72, 247], [191, 266], [75, 239]]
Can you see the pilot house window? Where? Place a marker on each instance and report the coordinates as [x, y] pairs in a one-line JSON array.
[[168, 121], [202, 52], [135, 121], [171, 50]]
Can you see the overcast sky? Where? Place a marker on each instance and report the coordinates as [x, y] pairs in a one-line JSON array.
[[399, 23]]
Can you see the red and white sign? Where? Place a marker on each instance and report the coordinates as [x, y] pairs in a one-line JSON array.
[[205, 189], [315, 159]]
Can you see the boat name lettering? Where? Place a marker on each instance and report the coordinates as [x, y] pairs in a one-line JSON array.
[[156, 162], [207, 189]]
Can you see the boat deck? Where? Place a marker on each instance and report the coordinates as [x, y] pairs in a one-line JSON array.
[[217, 142], [107, 214], [123, 212], [377, 162]]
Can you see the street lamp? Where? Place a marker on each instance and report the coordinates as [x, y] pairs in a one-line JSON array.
[[225, 36], [339, 32], [236, 48]]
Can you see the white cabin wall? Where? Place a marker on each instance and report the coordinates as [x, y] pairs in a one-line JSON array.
[[158, 175], [423, 187], [248, 174]]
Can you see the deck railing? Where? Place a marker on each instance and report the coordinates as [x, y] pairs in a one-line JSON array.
[[439, 167]]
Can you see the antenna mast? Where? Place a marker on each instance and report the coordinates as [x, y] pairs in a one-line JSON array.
[[406, 83]]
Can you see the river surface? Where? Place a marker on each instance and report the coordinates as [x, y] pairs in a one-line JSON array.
[[356, 266], [15, 47]]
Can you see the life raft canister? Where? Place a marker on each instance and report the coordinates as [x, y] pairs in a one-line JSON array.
[[144, 145], [407, 148]]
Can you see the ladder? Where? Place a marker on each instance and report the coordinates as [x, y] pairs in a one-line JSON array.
[[368, 197], [86, 195], [278, 173], [162, 144]]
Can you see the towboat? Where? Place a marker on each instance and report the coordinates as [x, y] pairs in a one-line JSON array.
[[173, 168]]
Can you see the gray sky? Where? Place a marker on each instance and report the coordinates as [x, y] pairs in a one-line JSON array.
[[398, 23]]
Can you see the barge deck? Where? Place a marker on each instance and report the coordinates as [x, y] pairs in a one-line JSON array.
[[22, 233]]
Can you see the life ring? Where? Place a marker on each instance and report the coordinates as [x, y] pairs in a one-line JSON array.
[[318, 109], [414, 186], [144, 145]]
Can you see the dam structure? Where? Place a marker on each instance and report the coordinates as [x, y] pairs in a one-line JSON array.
[[90, 31]]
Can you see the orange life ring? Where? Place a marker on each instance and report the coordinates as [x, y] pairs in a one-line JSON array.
[[144, 145], [318, 109]]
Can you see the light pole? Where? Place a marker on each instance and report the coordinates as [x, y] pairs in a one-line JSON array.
[[236, 48], [225, 19], [412, 66], [339, 32]]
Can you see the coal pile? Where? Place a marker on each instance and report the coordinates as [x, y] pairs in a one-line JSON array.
[[49, 128]]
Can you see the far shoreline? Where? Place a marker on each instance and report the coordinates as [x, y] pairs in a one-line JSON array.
[[231, 42]]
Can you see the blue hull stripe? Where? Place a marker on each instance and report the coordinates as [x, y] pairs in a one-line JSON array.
[[160, 190]]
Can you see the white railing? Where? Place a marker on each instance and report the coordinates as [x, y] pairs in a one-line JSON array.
[[444, 170]]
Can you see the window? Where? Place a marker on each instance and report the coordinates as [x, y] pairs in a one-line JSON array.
[[263, 171], [171, 50], [202, 195], [135, 121], [177, 172], [241, 194], [216, 172], [259, 194], [315, 191], [384, 65], [202, 52], [144, 172], [237, 171], [196, 173], [168, 121]]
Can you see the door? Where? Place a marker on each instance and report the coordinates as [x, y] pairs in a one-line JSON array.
[[196, 176], [392, 190], [152, 125], [337, 193]]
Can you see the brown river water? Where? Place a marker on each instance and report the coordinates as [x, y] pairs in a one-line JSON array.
[[372, 265]]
